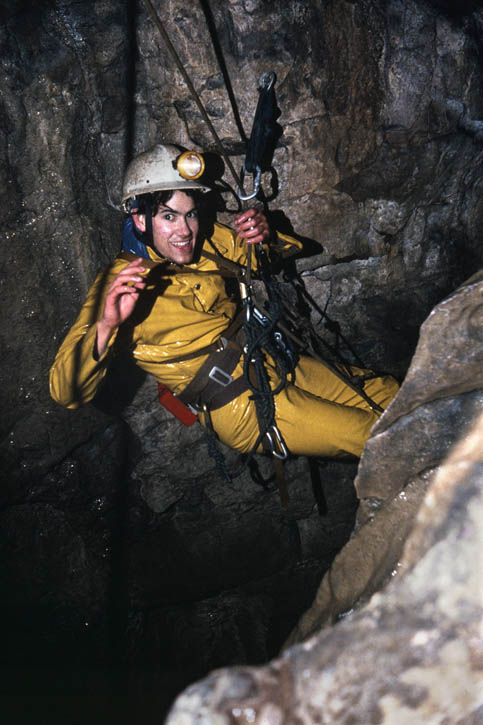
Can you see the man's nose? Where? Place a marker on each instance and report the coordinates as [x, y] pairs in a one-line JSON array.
[[183, 226]]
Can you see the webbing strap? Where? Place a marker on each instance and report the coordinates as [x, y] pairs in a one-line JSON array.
[[213, 385]]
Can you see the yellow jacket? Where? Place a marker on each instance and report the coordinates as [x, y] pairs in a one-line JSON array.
[[176, 315], [181, 312]]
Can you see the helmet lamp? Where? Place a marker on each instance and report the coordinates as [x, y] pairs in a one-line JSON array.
[[190, 165]]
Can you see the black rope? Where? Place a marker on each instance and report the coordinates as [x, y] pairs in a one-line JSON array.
[[217, 455]]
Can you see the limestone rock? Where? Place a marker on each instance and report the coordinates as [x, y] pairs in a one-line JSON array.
[[413, 654]]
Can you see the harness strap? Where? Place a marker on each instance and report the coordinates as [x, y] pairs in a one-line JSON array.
[[227, 265], [213, 385]]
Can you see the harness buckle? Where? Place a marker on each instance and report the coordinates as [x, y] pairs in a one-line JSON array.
[[222, 343], [219, 376], [280, 443]]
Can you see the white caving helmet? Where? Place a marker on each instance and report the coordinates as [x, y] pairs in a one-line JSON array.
[[161, 168]]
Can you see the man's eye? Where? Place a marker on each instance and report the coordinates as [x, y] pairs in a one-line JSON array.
[[168, 217], [193, 214]]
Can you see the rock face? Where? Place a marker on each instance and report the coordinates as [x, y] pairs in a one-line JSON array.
[[119, 543], [414, 653], [436, 405]]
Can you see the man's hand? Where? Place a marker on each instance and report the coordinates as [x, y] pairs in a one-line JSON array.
[[122, 297], [252, 226]]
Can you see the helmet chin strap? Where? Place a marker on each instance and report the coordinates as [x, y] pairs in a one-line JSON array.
[[148, 234]]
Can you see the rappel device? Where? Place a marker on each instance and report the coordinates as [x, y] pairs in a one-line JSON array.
[[263, 132]]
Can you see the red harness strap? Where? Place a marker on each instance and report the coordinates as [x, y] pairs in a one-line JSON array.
[[175, 406]]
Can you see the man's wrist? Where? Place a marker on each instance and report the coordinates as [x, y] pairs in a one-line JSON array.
[[105, 328], [104, 333]]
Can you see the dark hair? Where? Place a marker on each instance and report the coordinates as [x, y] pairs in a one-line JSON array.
[[154, 200]]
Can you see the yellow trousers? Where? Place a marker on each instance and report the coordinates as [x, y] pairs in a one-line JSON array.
[[317, 415]]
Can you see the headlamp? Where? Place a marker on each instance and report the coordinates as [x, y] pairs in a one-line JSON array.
[[190, 165]]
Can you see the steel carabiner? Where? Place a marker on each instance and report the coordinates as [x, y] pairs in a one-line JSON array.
[[280, 442], [256, 184]]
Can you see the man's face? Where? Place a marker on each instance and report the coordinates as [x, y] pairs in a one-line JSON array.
[[175, 228]]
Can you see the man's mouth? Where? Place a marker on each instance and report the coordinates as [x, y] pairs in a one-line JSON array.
[[180, 245]]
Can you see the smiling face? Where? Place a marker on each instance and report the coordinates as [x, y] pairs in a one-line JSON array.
[[175, 228]]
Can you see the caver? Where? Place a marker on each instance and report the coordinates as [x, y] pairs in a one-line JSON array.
[[164, 300]]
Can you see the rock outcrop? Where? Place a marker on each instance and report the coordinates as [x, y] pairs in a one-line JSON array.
[[436, 405]]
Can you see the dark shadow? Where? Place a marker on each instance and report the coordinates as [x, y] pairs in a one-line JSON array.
[[214, 169], [280, 222], [456, 9], [118, 390], [317, 489], [257, 476], [118, 605]]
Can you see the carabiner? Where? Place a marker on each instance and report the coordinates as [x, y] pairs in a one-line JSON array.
[[256, 184], [281, 443], [266, 81]]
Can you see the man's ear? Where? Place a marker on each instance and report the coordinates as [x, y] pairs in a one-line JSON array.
[[140, 221]]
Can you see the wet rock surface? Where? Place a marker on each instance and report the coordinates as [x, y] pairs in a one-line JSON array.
[[125, 561]]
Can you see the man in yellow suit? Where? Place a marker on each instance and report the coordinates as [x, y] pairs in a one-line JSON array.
[[165, 301]]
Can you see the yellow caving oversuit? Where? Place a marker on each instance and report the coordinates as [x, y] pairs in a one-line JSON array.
[[182, 312]]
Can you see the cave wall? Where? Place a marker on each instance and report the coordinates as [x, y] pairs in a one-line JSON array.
[[378, 169]]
